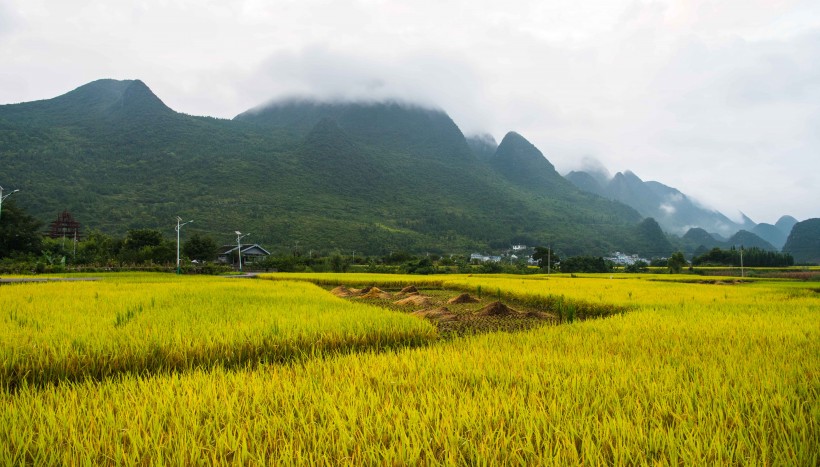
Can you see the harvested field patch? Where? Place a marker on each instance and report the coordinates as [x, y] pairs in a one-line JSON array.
[[457, 313], [439, 314]]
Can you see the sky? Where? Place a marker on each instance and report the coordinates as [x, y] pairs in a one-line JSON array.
[[718, 98]]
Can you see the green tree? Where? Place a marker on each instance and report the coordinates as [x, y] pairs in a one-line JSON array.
[[19, 232], [676, 262], [543, 254], [146, 245], [637, 266], [585, 264], [97, 248], [338, 263], [200, 248]]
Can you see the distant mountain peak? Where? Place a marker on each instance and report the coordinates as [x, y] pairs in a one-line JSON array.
[[785, 224], [675, 211], [522, 163], [515, 149], [420, 131], [108, 96], [97, 102], [330, 105]]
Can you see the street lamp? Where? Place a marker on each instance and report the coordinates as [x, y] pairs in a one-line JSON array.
[[239, 238], [178, 228], [3, 198]]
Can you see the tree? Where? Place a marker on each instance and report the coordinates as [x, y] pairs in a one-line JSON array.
[[676, 262], [19, 232], [338, 263], [139, 238], [146, 245], [97, 248], [637, 266], [200, 247], [544, 254], [585, 264]]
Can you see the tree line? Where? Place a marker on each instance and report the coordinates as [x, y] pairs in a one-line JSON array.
[[752, 257]]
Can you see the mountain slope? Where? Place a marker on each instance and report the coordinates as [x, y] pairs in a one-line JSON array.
[[697, 238], [804, 242], [747, 239], [785, 224], [673, 210], [483, 146], [335, 177], [771, 234], [586, 182], [521, 162]]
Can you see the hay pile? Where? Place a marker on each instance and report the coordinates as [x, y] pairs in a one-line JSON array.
[[463, 298], [414, 300], [496, 309], [341, 291], [374, 292], [410, 289]]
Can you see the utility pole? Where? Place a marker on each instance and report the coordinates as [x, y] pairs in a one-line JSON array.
[[3, 198], [239, 238], [549, 259], [742, 273], [178, 228]]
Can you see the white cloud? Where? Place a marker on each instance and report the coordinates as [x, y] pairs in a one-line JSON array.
[[667, 209]]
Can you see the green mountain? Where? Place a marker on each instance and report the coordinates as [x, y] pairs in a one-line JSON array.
[[371, 177], [586, 182], [650, 240], [697, 241], [483, 146], [804, 242], [785, 224], [771, 234], [699, 237], [747, 239], [674, 211]]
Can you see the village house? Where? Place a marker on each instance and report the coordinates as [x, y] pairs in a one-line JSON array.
[[250, 254]]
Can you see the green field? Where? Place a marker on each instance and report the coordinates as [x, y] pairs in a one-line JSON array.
[[158, 369]]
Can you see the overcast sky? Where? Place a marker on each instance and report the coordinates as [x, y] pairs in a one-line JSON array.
[[718, 98]]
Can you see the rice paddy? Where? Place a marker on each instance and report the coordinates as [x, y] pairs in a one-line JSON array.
[[689, 374]]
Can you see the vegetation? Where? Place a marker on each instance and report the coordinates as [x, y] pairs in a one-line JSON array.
[[585, 264], [371, 178], [804, 242], [752, 257], [19, 232], [146, 324], [200, 248], [694, 374], [676, 262], [547, 259]]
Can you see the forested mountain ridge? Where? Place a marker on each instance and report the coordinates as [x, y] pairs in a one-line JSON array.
[[673, 210], [804, 241], [371, 177]]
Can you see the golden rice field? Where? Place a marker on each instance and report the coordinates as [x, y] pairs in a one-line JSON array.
[[691, 374]]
